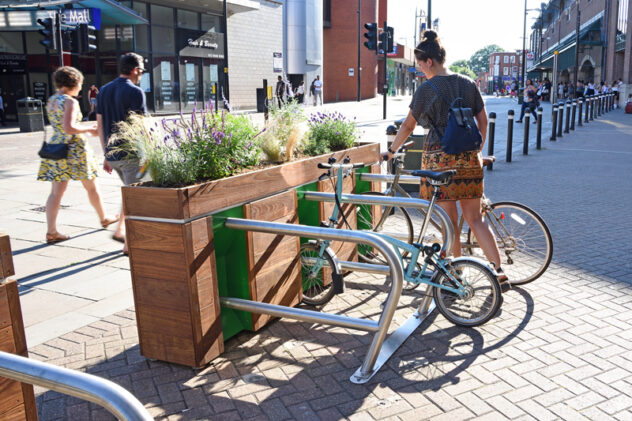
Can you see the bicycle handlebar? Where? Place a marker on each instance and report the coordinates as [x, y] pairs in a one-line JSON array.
[[322, 165], [406, 146]]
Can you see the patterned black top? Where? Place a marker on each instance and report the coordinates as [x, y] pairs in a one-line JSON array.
[[428, 108]]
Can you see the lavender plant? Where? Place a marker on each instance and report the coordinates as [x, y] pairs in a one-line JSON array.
[[207, 145], [329, 132]]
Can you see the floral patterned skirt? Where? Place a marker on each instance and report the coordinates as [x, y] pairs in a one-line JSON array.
[[80, 164], [466, 184]]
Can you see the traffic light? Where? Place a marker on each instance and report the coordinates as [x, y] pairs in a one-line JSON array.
[[390, 32], [87, 38], [381, 46], [49, 32], [371, 35]]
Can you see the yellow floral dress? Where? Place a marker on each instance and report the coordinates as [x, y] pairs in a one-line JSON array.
[[80, 164]]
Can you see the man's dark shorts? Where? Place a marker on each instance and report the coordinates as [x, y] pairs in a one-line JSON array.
[[127, 170]]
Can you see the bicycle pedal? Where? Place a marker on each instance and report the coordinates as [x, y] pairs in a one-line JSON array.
[[324, 224]]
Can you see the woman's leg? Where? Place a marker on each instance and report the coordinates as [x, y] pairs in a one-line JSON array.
[[52, 205], [471, 209], [522, 110], [95, 197], [450, 207]]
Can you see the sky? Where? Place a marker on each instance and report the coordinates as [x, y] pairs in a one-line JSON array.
[[466, 26]]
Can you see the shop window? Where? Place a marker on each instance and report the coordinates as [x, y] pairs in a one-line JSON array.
[[11, 42], [327, 13], [140, 8], [211, 23], [162, 39], [107, 39], [188, 20], [126, 38], [33, 45], [141, 37], [161, 15], [166, 87]]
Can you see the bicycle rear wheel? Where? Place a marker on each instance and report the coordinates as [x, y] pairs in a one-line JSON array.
[[315, 292], [392, 221], [523, 239], [483, 298]]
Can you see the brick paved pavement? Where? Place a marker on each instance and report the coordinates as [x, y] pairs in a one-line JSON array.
[[561, 349]]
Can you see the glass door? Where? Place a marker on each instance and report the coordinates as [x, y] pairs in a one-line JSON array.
[[211, 83], [190, 83]]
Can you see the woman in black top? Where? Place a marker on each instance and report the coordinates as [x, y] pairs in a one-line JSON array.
[[431, 111]]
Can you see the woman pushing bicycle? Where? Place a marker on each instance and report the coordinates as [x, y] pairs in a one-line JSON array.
[[431, 108]]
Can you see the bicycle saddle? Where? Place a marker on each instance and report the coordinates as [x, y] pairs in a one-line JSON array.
[[442, 177]]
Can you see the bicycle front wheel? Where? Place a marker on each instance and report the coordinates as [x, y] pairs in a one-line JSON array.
[[392, 221], [316, 290], [523, 239], [482, 297]]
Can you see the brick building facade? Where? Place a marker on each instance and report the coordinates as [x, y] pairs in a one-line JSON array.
[[504, 67]]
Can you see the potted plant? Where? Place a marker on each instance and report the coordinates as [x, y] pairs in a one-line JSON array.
[[205, 168]]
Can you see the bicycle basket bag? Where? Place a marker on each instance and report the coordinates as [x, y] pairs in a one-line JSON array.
[[461, 134]]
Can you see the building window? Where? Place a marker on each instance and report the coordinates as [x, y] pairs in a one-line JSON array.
[[497, 59], [188, 20], [622, 20], [211, 23], [327, 13], [506, 59], [513, 59], [505, 71]]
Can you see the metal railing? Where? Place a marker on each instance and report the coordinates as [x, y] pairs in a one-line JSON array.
[[118, 401]]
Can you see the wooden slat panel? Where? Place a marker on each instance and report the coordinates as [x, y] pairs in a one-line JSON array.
[[10, 395], [5, 312], [17, 413], [7, 343], [161, 293], [158, 264], [171, 323], [273, 265], [203, 291], [6, 259], [207, 197], [167, 348], [13, 299], [154, 236]]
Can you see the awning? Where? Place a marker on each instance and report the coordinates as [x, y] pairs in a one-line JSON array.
[[22, 16]]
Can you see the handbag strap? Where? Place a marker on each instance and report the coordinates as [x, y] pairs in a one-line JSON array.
[[440, 95]]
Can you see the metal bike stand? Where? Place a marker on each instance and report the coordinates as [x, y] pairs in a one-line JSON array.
[[117, 400], [406, 202], [389, 178], [381, 348]]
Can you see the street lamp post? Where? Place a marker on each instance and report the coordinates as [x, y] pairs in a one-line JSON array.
[[524, 58], [359, 48], [576, 73]]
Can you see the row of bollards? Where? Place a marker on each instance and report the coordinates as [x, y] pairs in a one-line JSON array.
[[563, 118]]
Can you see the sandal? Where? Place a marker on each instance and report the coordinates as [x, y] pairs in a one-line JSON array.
[[56, 238], [502, 278], [119, 238], [109, 221]]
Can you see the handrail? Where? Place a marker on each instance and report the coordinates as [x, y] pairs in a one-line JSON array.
[[367, 370], [117, 400]]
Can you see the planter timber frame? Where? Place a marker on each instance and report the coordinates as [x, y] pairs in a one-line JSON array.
[[183, 258]]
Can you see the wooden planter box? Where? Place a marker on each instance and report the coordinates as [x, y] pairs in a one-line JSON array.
[[183, 258], [17, 400]]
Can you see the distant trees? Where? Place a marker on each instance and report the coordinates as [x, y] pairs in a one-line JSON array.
[[479, 62], [462, 67]]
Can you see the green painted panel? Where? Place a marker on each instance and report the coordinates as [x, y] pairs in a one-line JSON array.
[[307, 209], [232, 272]]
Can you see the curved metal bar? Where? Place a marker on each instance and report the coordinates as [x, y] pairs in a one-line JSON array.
[[118, 401], [406, 202], [389, 178], [360, 237]]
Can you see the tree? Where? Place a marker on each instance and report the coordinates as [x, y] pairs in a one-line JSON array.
[[479, 62], [464, 70], [461, 63]]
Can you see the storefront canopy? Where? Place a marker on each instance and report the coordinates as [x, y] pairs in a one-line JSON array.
[[23, 15]]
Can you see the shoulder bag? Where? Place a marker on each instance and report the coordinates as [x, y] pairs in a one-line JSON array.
[[54, 151], [461, 134]]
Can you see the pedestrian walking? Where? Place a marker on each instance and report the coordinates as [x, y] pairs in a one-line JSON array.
[[615, 91], [92, 96], [318, 90], [560, 91], [300, 93], [115, 102], [529, 102], [65, 118], [430, 107], [579, 89], [279, 90], [590, 89], [2, 117]]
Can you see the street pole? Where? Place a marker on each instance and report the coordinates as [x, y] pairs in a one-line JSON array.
[[385, 86], [524, 58], [359, 43], [554, 84], [576, 51], [429, 21], [60, 38]]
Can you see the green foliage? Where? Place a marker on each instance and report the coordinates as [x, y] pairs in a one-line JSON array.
[[479, 62], [181, 151], [461, 63], [464, 70], [282, 133], [329, 132]]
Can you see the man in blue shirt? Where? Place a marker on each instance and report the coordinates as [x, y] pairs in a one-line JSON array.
[[115, 102]]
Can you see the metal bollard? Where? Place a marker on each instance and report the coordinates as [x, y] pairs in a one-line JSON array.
[[592, 107], [491, 136], [598, 105], [573, 113], [539, 130], [554, 122], [587, 99], [510, 123], [580, 103], [560, 119], [525, 141], [568, 117]]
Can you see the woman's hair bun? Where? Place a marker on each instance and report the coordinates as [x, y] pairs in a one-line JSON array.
[[430, 35]]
